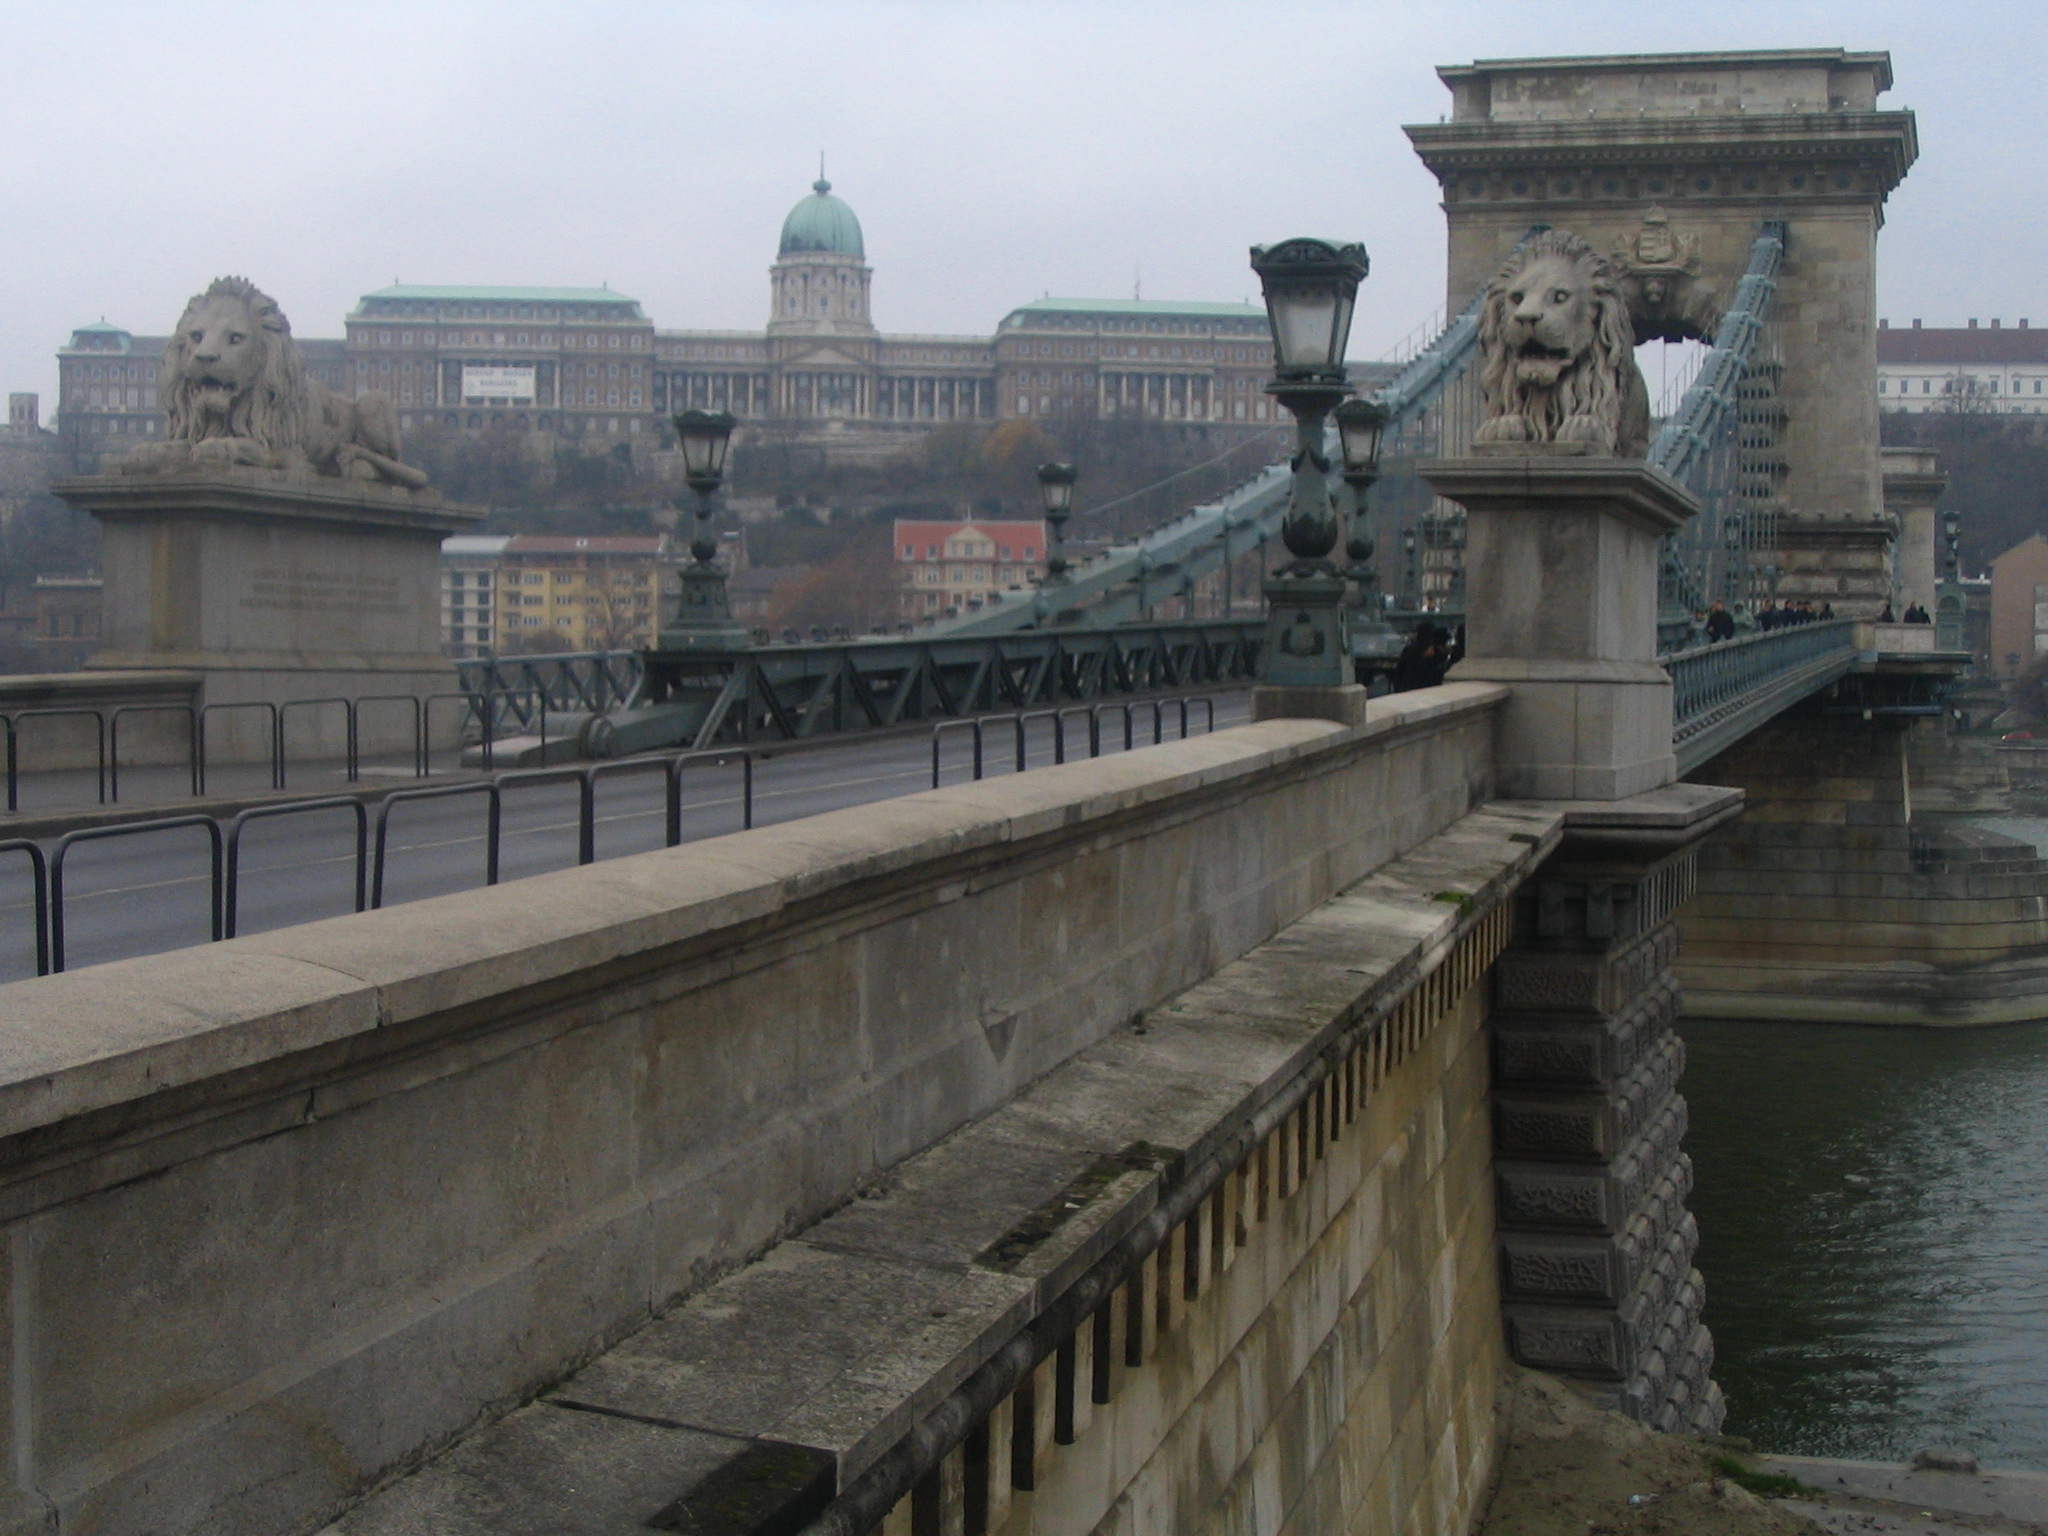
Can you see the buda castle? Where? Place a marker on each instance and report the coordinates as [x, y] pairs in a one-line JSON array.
[[586, 366]]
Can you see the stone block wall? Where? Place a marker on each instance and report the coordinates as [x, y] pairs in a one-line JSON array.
[[1230, 1269], [1596, 1245], [1341, 1374], [284, 1213], [1832, 900]]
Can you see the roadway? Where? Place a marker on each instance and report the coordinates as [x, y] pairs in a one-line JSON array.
[[147, 892]]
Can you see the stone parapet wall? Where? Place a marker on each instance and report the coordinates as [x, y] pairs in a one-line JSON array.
[[1248, 1286], [1838, 897], [285, 1213]]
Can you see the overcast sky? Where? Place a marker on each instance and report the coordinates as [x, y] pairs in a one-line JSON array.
[[995, 152]]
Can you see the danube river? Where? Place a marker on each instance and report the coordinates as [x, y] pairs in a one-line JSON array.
[[1873, 1211]]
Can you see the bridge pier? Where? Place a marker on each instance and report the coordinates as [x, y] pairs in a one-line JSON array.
[[1829, 901], [1595, 1244]]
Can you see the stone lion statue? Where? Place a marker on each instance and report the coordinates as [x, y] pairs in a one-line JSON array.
[[1557, 352], [236, 392]]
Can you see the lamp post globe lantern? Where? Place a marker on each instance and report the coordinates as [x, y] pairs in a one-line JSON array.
[[704, 437], [1361, 424], [1310, 287], [1056, 492]]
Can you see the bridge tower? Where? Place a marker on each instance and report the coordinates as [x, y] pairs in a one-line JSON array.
[[1670, 162]]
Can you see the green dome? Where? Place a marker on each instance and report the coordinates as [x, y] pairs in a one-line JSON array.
[[821, 222]]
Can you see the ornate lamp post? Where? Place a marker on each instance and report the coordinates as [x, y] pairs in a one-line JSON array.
[[1361, 426], [1950, 604], [704, 618], [1310, 287], [1056, 490]]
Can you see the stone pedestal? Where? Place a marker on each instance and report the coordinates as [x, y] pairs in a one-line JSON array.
[[275, 588], [703, 619], [1596, 1245], [1308, 642], [1561, 605]]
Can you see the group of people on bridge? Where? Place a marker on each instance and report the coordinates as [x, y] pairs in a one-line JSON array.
[[1719, 624]]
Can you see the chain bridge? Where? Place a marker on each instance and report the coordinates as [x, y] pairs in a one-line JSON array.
[[1177, 1139]]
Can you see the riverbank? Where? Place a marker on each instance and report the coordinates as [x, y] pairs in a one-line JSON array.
[[1571, 1469]]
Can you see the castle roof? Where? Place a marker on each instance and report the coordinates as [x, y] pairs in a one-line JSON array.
[[821, 222]]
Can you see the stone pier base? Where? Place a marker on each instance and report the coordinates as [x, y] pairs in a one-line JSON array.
[[276, 590], [1835, 900], [1596, 1244]]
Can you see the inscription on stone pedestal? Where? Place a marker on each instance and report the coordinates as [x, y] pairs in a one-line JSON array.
[[302, 591]]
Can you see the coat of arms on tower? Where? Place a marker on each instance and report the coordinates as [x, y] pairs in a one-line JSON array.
[[1660, 273]]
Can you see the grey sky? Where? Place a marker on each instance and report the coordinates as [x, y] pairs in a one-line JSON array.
[[994, 151]]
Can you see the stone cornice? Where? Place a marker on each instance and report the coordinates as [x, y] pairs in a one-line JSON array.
[[250, 495], [1627, 490], [1789, 156]]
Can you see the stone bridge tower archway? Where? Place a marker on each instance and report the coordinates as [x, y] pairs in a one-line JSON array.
[[1672, 162]]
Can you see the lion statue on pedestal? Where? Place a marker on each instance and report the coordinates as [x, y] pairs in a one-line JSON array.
[[236, 393], [1557, 353]]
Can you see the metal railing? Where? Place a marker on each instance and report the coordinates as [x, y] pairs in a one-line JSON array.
[[1718, 691], [1019, 724], [481, 717], [374, 849]]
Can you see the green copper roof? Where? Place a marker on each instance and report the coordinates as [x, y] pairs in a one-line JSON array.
[[821, 222], [504, 295], [100, 327], [1161, 307]]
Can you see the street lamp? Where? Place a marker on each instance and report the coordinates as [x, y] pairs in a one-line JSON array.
[[1361, 426], [1950, 604], [1056, 491], [1310, 287], [704, 618]]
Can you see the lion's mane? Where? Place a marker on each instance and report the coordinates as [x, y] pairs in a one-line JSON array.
[[1594, 384], [275, 410]]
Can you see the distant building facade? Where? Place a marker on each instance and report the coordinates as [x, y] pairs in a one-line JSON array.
[[470, 565], [587, 367], [1996, 368], [504, 593], [2019, 605], [575, 362], [943, 566], [30, 456]]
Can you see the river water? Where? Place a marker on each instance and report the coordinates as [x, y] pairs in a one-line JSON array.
[[1873, 1212]]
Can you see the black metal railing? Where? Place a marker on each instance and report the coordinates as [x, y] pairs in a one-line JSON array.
[[480, 720], [1019, 724], [374, 848]]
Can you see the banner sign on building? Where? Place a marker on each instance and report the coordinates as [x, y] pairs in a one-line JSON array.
[[513, 384]]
